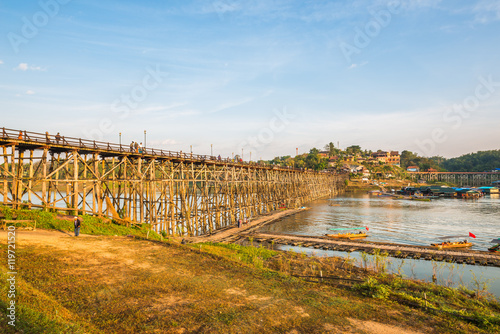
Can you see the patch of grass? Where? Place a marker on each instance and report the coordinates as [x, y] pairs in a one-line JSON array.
[[449, 303], [255, 256], [90, 225]]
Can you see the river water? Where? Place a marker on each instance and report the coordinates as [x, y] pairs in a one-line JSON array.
[[410, 223]]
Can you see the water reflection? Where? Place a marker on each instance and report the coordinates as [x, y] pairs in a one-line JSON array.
[[399, 221]]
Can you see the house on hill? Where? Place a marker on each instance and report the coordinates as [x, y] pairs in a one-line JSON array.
[[332, 162], [324, 154], [413, 169], [390, 158]]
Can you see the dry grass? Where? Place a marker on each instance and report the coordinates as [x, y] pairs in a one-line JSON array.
[[125, 285]]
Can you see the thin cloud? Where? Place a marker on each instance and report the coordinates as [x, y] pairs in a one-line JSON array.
[[357, 65], [1, 62], [21, 67], [232, 104], [487, 11], [26, 67], [29, 92]]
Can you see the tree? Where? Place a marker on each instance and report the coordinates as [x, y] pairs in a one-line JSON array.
[[354, 149], [332, 151], [412, 159], [299, 161], [315, 161]]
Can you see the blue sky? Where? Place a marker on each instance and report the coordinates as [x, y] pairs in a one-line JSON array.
[[263, 76]]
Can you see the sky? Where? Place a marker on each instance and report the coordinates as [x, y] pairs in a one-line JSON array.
[[261, 77]]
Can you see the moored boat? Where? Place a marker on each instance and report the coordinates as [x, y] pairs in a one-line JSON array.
[[374, 192], [456, 244], [420, 198], [495, 249], [347, 235]]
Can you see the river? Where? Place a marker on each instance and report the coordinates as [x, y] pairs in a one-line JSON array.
[[410, 223]]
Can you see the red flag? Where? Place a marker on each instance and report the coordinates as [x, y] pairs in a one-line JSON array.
[[367, 228], [472, 235]]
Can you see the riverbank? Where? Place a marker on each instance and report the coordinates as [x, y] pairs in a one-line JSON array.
[[108, 284], [113, 279]]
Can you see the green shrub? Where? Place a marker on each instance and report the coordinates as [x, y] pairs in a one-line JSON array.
[[372, 288]]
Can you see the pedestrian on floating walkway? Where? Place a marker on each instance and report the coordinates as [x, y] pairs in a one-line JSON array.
[[77, 223]]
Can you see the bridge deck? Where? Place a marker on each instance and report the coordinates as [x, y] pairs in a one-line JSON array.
[[26, 140]]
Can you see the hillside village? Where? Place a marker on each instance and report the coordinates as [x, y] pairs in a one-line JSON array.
[[386, 164]]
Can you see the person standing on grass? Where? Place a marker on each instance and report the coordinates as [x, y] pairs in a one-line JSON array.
[[76, 222]]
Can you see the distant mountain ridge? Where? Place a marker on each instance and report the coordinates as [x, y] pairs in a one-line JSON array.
[[482, 161]]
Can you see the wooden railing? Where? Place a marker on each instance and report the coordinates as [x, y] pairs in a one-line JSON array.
[[86, 144]]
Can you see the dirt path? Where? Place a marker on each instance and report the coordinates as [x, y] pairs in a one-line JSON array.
[[252, 225]]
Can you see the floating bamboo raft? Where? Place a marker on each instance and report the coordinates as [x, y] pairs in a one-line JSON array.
[[457, 255]]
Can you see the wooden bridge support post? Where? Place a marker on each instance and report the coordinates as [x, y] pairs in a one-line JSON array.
[[76, 190], [6, 176]]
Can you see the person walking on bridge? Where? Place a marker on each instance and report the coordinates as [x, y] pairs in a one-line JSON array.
[[132, 146]]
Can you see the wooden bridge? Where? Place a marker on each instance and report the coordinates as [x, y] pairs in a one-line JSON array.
[[461, 179], [179, 193]]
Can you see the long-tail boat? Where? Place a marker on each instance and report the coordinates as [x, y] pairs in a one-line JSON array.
[[456, 244], [495, 249], [348, 235]]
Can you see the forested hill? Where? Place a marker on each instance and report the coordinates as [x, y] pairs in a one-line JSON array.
[[482, 161]]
